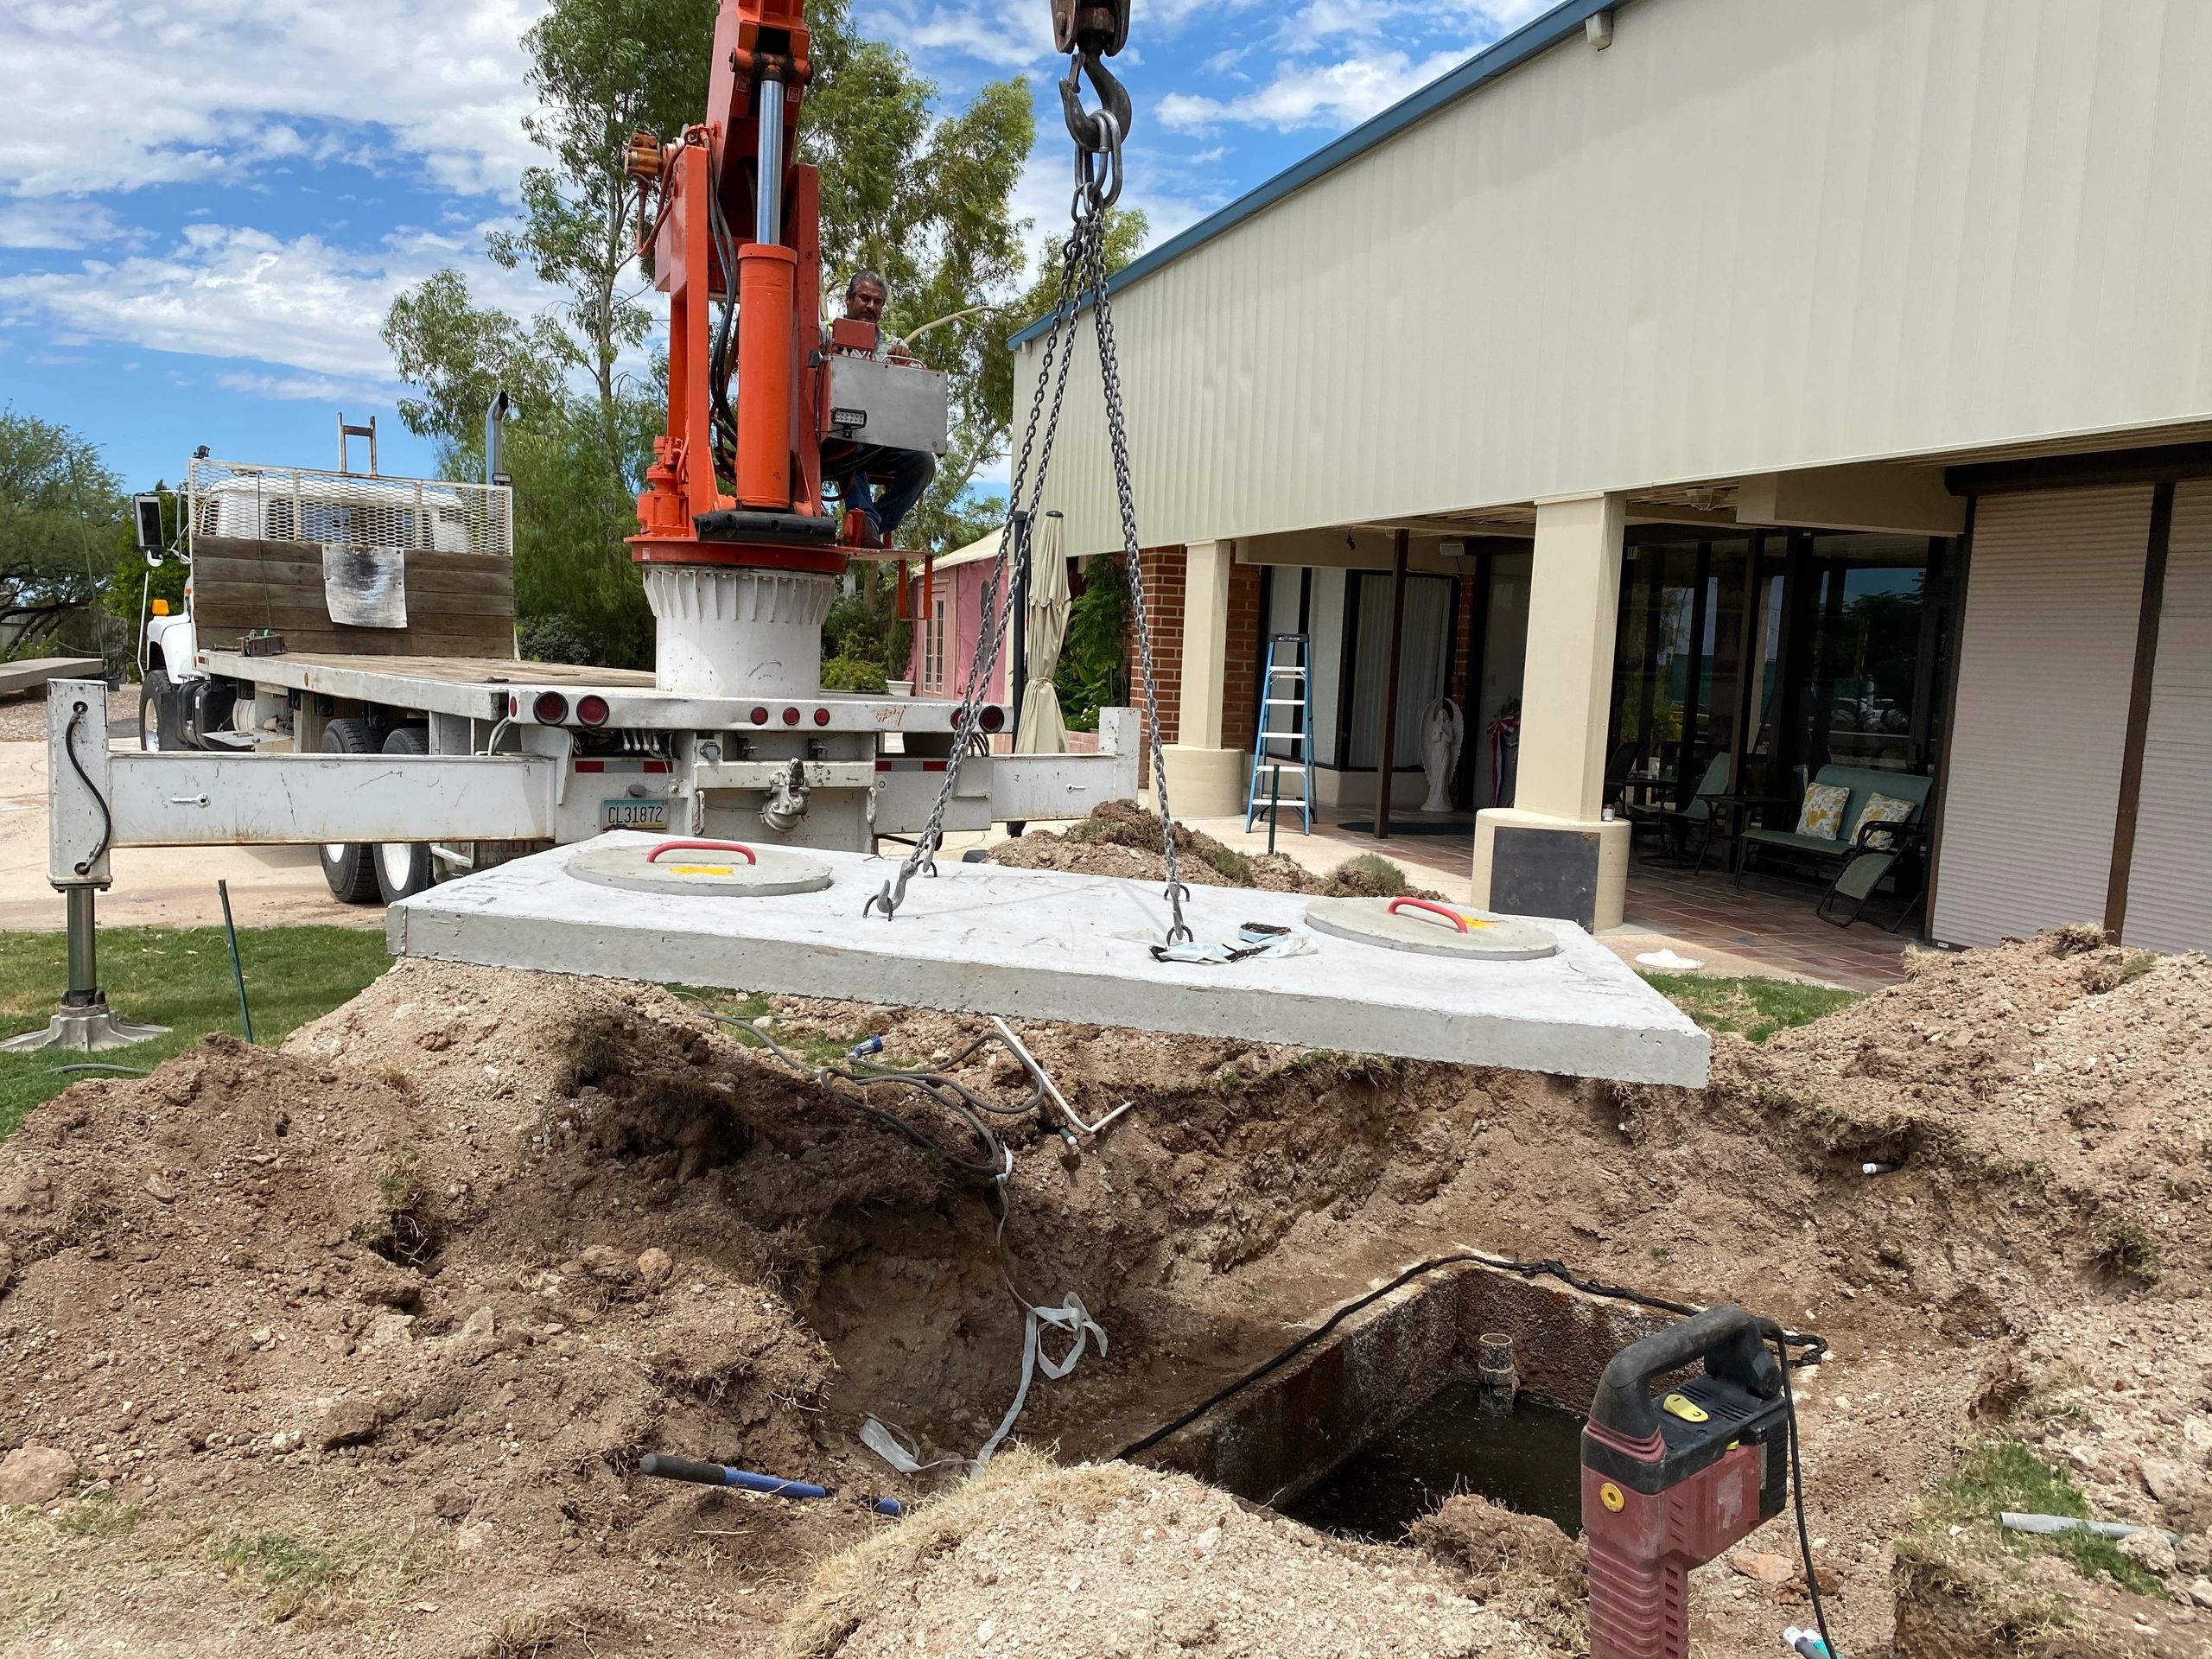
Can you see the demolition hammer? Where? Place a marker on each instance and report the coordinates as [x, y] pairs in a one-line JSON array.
[[1668, 1483]]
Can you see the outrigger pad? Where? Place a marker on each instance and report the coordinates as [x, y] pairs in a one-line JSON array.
[[1053, 944], [739, 525]]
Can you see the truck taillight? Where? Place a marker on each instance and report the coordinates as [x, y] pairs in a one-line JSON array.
[[591, 708], [992, 719], [551, 708]]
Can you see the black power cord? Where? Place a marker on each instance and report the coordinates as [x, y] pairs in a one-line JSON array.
[[107, 818], [1797, 1498], [946, 1093]]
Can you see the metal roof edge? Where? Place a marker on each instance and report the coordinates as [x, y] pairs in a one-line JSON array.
[[1538, 35]]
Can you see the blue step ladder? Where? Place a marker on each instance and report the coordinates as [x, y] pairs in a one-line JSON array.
[[1284, 685]]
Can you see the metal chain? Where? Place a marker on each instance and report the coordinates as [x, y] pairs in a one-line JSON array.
[[1083, 256], [1109, 377], [966, 725]]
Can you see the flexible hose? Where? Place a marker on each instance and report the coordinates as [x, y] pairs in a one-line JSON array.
[[107, 818]]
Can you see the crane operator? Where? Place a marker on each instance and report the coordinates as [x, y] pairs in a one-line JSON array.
[[909, 471]]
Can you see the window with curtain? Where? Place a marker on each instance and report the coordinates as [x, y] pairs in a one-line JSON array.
[[1424, 664]]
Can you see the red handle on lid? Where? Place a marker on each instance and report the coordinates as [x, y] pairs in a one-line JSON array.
[[1448, 914], [703, 846]]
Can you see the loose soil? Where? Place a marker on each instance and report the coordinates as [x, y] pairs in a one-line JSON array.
[[356, 1344]]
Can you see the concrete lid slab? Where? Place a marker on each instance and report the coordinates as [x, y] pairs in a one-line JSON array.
[[1431, 929], [1050, 944]]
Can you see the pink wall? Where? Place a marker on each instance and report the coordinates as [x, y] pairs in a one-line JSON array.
[[960, 590]]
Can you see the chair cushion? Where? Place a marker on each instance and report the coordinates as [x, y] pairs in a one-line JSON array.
[[1883, 808], [1821, 817]]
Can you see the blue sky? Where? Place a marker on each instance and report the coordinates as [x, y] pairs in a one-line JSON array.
[[207, 205]]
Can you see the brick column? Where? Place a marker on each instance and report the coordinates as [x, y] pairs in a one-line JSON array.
[[1159, 575], [1240, 666]]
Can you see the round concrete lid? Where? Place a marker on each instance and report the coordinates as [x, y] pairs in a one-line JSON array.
[[705, 872], [1428, 931]]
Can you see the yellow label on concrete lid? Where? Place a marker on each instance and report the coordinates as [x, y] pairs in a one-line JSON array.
[[699, 870], [1688, 1410]]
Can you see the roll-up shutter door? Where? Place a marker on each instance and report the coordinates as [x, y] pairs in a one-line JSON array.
[[2169, 884], [2046, 657]]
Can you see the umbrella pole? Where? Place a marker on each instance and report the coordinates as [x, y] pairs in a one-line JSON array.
[[1017, 616]]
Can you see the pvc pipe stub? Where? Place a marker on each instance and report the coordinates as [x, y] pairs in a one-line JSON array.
[[1485, 937], [701, 873]]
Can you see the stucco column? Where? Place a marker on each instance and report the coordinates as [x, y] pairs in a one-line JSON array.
[[1204, 780], [1550, 852]]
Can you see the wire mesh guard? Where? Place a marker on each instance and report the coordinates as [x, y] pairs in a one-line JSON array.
[[306, 504]]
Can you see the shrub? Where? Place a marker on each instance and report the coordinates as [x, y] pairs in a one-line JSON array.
[[852, 674], [555, 638]]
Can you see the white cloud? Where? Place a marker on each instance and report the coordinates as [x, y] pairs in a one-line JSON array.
[[112, 95], [1339, 94], [304, 388], [233, 292], [55, 224]]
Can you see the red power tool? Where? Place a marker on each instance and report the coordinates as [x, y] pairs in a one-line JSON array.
[[1670, 1482]]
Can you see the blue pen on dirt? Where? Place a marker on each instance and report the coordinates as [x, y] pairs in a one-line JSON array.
[[862, 1050]]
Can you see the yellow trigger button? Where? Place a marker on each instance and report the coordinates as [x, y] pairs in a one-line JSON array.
[[1688, 1410], [1610, 1496]]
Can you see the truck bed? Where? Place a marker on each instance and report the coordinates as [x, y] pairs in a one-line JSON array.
[[475, 686]]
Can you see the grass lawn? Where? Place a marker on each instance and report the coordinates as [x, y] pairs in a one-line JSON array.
[[179, 977], [1753, 1007]]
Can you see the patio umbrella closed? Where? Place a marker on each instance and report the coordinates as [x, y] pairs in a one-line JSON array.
[[1040, 730]]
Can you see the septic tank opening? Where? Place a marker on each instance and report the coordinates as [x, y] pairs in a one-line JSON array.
[[1411, 1399], [1529, 1459]]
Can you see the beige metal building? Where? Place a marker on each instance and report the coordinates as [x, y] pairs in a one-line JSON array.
[[1803, 385]]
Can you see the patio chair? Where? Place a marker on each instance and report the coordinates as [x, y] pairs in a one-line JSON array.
[[1854, 867], [1873, 855], [1693, 820]]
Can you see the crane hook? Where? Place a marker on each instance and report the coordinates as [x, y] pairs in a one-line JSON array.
[[1098, 133]]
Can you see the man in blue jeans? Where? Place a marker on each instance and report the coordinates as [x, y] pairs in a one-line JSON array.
[[910, 470]]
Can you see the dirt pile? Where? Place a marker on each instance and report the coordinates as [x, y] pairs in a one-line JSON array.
[[1522, 1566], [363, 1337], [1119, 838], [2105, 1413], [1110, 1562], [2062, 1078]]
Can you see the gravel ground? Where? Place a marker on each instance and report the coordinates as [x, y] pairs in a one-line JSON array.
[[22, 718]]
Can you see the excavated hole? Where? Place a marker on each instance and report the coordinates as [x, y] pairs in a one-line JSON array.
[[1378, 1424]]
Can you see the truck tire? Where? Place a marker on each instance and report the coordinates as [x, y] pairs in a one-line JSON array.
[[403, 867], [152, 713], [349, 867]]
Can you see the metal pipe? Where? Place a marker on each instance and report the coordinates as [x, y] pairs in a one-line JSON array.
[[238, 970], [1030, 1063], [84, 990], [768, 196]]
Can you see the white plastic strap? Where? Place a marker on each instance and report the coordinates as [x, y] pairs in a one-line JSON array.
[[1070, 1315]]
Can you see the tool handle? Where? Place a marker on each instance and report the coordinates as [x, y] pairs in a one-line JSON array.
[[1724, 1337], [662, 1467], [1447, 913], [702, 846]]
